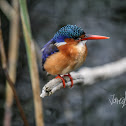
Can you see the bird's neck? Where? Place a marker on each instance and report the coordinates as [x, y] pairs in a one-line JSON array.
[[81, 44]]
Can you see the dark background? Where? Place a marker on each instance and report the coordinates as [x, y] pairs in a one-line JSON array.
[[80, 105]]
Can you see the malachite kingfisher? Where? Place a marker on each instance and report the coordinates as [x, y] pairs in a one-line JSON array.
[[66, 51]]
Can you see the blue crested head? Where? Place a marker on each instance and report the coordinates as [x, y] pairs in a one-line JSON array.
[[68, 31]]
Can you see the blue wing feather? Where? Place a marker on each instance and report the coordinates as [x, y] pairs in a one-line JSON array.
[[48, 49]]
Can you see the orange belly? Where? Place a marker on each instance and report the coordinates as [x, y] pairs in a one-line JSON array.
[[63, 62]]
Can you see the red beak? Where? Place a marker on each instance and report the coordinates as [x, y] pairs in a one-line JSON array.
[[94, 37]]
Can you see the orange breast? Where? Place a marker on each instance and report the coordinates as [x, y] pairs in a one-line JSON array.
[[66, 60]]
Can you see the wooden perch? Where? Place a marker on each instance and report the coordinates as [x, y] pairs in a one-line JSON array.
[[87, 76]]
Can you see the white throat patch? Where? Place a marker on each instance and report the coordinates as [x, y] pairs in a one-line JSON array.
[[81, 43]]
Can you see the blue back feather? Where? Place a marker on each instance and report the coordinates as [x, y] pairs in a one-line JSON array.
[[48, 50]]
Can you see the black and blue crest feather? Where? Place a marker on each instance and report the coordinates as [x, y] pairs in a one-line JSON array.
[[68, 31]]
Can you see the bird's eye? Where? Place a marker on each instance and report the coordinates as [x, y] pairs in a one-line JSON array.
[[77, 38]]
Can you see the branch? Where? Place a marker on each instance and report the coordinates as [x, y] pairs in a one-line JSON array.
[[87, 76]]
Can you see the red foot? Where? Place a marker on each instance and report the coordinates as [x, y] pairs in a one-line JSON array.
[[71, 79], [62, 80]]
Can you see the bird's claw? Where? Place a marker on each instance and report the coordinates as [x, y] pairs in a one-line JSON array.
[[63, 80], [71, 79]]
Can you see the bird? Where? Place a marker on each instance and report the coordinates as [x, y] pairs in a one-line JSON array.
[[66, 51]]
